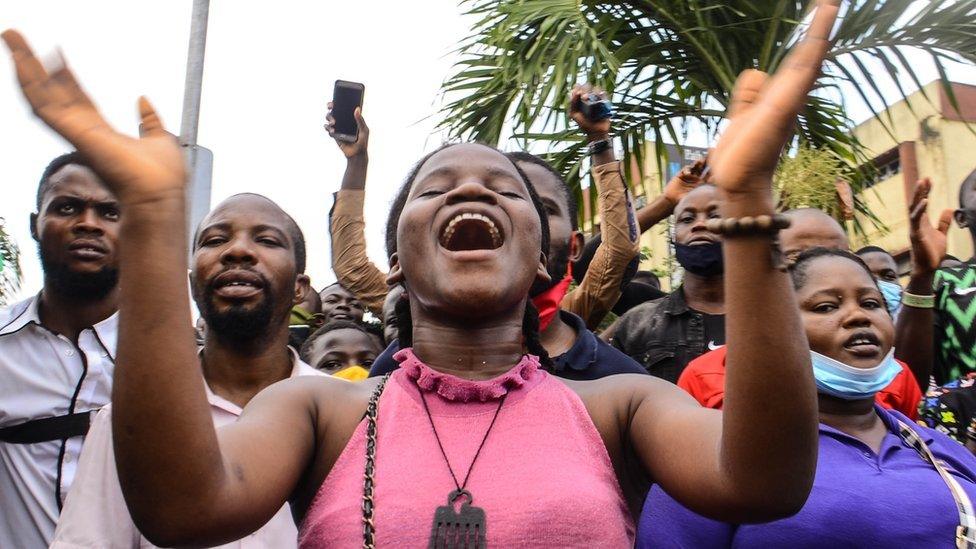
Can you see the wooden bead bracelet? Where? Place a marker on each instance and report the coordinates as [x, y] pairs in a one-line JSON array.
[[763, 224]]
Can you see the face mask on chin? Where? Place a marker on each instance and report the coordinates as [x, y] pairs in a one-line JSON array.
[[843, 381], [700, 259]]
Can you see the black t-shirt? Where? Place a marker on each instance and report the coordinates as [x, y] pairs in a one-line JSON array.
[[714, 328]]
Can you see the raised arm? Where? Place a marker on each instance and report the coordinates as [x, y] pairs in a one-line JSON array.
[[177, 484], [663, 205], [756, 460], [601, 285], [915, 326], [350, 263]]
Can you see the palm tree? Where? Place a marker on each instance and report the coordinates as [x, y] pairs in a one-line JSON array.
[[9, 265], [671, 64]]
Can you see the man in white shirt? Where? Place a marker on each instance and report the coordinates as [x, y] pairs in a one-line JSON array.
[[56, 350], [248, 254]]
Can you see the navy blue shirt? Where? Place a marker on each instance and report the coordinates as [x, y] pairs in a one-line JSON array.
[[589, 357]]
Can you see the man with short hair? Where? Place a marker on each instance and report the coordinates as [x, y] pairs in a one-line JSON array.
[[248, 255], [885, 270], [664, 335], [57, 350], [338, 303]]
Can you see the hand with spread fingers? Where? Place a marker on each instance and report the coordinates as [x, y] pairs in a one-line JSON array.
[[928, 242], [763, 113], [357, 147], [137, 170]]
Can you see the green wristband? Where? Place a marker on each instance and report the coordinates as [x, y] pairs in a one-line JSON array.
[[918, 301]]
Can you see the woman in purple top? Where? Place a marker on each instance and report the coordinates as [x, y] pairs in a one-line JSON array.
[[872, 488]]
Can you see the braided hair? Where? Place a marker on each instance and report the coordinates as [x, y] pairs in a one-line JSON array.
[[530, 321]]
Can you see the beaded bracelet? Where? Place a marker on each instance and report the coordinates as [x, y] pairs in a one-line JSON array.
[[763, 224], [916, 301]]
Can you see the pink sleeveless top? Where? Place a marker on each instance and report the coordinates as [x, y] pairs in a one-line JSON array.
[[544, 477]]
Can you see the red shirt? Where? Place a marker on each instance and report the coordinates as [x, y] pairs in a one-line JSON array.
[[704, 379]]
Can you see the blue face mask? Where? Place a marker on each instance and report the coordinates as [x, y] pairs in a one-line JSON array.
[[892, 295], [840, 380]]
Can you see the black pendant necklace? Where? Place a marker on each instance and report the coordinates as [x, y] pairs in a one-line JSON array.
[[465, 527]]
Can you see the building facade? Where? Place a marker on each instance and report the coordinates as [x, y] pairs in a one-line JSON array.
[[930, 139]]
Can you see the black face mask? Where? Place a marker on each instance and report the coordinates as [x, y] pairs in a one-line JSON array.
[[701, 259]]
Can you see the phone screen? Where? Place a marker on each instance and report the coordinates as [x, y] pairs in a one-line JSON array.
[[345, 99]]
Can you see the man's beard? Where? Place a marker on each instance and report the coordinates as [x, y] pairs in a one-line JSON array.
[[238, 324], [557, 267], [79, 286]]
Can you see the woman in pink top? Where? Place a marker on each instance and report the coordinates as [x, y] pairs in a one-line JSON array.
[[528, 459]]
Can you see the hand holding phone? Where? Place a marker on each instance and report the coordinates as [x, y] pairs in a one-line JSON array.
[[345, 122]]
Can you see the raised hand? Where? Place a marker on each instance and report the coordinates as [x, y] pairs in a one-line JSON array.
[[356, 148], [689, 178], [136, 169], [928, 242], [599, 129], [763, 113]]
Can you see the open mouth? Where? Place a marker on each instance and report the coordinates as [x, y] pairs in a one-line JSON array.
[[471, 231], [864, 344], [237, 284]]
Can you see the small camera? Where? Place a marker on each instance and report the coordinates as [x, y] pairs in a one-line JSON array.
[[595, 108]]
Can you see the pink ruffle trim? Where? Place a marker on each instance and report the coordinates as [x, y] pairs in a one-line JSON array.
[[465, 390]]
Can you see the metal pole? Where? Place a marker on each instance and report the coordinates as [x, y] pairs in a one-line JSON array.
[[194, 73], [198, 192]]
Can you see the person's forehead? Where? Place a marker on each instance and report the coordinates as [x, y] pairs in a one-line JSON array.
[[346, 339], [878, 259], [77, 182], [247, 211], [546, 184], [335, 289], [467, 158], [392, 297], [699, 199], [835, 272]]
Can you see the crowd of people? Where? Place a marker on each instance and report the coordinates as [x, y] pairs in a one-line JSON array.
[[505, 381]]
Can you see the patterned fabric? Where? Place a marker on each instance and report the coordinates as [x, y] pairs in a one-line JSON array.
[[951, 408], [955, 331]]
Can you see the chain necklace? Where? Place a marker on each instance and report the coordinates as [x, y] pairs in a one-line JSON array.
[[467, 526]]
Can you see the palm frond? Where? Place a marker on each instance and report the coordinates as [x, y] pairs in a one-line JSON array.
[[10, 273], [671, 64]]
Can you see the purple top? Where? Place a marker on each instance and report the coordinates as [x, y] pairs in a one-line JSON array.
[[859, 499]]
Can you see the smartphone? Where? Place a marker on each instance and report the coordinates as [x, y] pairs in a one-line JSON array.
[[345, 98]]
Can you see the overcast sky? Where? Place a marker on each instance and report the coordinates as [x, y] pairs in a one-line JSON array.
[[270, 69]]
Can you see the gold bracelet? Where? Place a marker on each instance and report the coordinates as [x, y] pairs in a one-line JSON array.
[[763, 224], [918, 301]]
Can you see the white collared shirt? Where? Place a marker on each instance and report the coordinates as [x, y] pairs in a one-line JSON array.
[[44, 374], [95, 514]]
